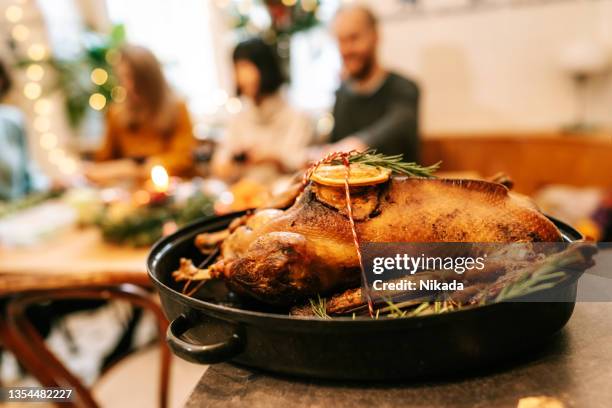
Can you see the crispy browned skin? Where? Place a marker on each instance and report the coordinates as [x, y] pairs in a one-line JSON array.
[[281, 257]]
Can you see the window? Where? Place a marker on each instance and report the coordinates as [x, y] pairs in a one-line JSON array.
[[180, 33]]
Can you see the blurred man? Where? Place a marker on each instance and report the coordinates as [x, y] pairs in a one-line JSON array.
[[374, 107]]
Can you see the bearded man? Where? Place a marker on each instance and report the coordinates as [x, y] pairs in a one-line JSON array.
[[374, 107]]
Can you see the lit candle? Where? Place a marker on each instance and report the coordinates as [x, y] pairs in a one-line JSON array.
[[160, 179], [161, 184]]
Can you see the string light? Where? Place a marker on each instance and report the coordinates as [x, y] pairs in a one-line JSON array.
[[289, 3], [118, 94], [222, 3], [325, 124], [48, 141], [56, 155], [245, 7], [32, 90], [42, 106], [309, 5], [112, 57], [97, 101], [67, 165], [35, 72], [20, 32], [37, 52], [13, 13], [220, 97], [42, 124], [233, 105], [99, 76]]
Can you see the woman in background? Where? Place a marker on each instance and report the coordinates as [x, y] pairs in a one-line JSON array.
[[152, 125], [19, 176], [267, 131]]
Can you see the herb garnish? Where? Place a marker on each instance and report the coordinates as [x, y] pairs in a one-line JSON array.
[[394, 163], [319, 307]]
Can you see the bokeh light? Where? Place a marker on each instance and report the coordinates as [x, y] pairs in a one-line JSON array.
[[220, 97], [48, 141], [67, 165], [56, 155], [37, 52], [13, 13], [42, 124], [112, 57], [325, 124], [99, 76], [118, 94], [42, 106], [20, 32], [32, 90], [35, 72], [97, 101], [233, 105], [309, 5]]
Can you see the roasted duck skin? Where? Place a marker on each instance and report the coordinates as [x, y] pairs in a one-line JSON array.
[[282, 257]]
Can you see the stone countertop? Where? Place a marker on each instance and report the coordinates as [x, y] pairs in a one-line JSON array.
[[575, 368]]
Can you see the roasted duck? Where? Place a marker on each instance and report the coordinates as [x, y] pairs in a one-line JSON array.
[[282, 257]]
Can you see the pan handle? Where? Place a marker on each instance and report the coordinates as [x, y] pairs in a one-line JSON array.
[[201, 353]]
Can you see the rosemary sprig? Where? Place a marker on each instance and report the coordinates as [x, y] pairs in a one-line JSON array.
[[395, 311], [529, 283], [546, 276], [394, 163], [403, 309], [319, 307], [420, 309]]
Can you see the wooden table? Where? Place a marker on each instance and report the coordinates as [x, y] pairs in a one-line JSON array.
[[76, 262], [73, 258], [574, 369]]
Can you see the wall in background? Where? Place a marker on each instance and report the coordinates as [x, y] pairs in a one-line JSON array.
[[498, 69]]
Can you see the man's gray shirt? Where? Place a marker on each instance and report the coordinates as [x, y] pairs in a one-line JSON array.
[[385, 119]]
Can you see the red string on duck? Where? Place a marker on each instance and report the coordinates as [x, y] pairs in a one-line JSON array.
[[344, 158]]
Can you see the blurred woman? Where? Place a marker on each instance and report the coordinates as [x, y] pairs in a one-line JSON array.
[[267, 131], [19, 176], [151, 125]]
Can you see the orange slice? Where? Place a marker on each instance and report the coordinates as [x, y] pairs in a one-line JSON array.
[[361, 175]]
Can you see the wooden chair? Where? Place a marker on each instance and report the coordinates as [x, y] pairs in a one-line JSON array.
[[44, 365]]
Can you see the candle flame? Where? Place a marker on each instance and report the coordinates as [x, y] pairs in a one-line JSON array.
[[160, 179]]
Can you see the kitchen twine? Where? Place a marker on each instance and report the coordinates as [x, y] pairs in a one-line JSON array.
[[344, 158]]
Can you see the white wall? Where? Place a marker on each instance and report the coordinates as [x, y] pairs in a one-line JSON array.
[[498, 69]]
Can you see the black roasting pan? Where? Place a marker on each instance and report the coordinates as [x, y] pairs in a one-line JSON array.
[[216, 329]]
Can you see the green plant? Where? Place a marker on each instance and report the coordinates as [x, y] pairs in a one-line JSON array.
[[143, 226], [73, 75]]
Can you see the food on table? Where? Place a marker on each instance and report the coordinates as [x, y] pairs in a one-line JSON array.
[[282, 257], [245, 194]]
